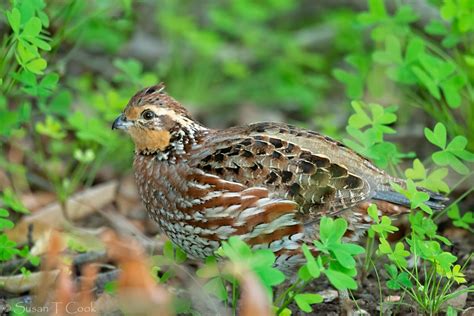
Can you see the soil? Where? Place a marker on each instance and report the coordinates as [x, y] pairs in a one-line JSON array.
[[367, 297]]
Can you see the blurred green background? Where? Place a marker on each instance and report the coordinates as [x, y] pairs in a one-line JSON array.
[[391, 79]]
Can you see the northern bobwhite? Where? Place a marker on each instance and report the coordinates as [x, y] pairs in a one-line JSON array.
[[268, 183]]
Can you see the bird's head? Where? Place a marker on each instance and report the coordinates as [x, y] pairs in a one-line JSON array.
[[151, 117]]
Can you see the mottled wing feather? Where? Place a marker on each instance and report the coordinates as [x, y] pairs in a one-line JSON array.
[[318, 144], [318, 185]]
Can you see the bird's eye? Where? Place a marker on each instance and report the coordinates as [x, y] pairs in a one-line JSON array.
[[148, 115]]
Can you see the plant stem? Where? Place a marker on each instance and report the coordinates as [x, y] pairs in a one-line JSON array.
[[289, 299], [368, 255], [438, 215], [234, 297], [380, 288]]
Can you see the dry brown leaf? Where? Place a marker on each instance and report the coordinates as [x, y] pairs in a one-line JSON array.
[[4, 180], [457, 302], [392, 299], [78, 206], [50, 262], [136, 286], [20, 284], [64, 292], [128, 200], [106, 304], [37, 200], [124, 227], [89, 273], [67, 298], [329, 295], [254, 299]]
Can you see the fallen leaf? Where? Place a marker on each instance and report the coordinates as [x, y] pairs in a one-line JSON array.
[[329, 295], [136, 286], [78, 206], [35, 201], [19, 283], [254, 299]]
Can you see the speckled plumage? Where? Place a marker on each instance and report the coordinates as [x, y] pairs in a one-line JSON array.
[[268, 183]]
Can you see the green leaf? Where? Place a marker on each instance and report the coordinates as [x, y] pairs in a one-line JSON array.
[[456, 274], [40, 43], [448, 10], [469, 59], [340, 280], [260, 261], [444, 158], [418, 171], [427, 81], [453, 212], [377, 8], [397, 281], [401, 280], [438, 136], [60, 104], [415, 48], [168, 250], [384, 227], [339, 227], [436, 27], [354, 86], [360, 118], [437, 68], [435, 181], [304, 300], [417, 198], [304, 274], [269, 276], [32, 28], [404, 279], [36, 66], [14, 19], [373, 212], [451, 91], [343, 257], [405, 15], [310, 262], [344, 253], [464, 221], [131, 70], [10, 200], [235, 249], [7, 248], [399, 254], [446, 260], [457, 147], [51, 128], [392, 52], [4, 222], [181, 256], [49, 82], [384, 246], [111, 287], [216, 287]]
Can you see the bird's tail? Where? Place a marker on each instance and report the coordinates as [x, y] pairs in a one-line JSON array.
[[436, 202]]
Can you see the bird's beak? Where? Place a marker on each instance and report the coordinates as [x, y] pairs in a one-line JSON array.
[[121, 123]]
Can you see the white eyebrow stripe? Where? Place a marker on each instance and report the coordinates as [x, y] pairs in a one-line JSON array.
[[184, 121], [163, 111]]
